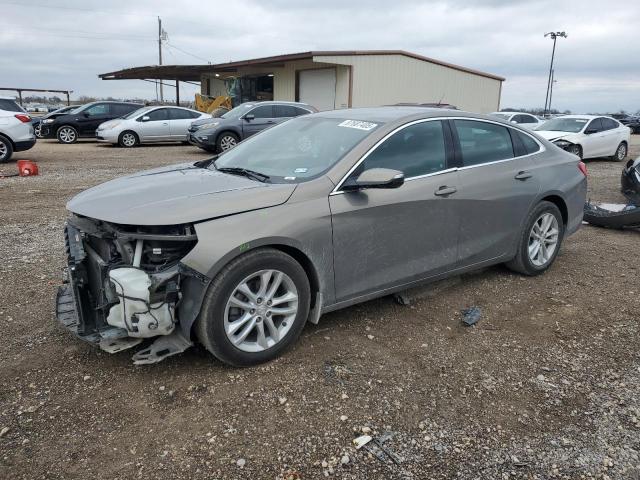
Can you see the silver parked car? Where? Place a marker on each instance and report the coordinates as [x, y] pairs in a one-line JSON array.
[[315, 214], [148, 125]]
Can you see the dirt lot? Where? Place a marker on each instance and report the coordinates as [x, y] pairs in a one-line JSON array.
[[545, 386]]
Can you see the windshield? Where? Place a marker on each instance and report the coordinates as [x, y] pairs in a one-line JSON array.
[[238, 111], [137, 112], [298, 149], [573, 125]]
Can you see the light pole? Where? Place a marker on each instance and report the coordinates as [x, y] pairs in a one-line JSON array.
[[554, 36], [553, 80]]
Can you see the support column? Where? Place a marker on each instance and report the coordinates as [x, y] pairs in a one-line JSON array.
[[177, 92]]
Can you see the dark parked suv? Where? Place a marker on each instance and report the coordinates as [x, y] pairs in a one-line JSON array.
[[224, 133], [84, 121]]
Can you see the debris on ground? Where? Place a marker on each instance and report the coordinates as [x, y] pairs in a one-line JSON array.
[[361, 441], [402, 299], [471, 315]]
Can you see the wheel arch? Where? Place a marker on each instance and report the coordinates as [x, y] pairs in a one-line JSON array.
[[282, 244], [233, 130], [559, 202], [6, 137], [129, 131]]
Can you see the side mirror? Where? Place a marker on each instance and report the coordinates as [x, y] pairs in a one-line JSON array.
[[85, 114], [513, 121], [377, 178], [249, 116], [146, 118]]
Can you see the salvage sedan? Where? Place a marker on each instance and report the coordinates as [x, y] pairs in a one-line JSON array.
[[588, 136], [315, 214]]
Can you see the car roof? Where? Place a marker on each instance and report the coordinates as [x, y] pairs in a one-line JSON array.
[[513, 113], [392, 113], [4, 97], [276, 102], [582, 117]]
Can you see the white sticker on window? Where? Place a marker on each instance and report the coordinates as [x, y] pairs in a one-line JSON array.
[[301, 170], [358, 124]]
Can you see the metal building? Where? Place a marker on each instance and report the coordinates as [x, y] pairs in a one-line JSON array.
[[342, 79], [336, 79]]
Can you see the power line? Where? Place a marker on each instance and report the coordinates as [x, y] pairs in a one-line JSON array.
[[88, 10], [187, 53], [92, 37], [42, 31]]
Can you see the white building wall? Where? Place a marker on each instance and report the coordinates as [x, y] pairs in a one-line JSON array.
[[389, 79]]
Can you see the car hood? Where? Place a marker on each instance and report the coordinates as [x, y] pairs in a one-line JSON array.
[[552, 135], [176, 194]]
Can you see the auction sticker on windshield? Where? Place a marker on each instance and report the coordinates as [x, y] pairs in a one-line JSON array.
[[358, 124]]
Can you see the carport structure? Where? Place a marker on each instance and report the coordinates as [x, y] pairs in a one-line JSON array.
[[337, 79], [160, 73]]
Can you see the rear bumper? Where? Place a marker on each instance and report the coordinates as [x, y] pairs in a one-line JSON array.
[[24, 145]]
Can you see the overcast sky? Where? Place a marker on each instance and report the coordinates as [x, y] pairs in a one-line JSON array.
[[65, 44]]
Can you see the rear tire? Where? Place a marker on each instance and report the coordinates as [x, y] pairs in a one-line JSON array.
[[67, 134], [214, 327], [621, 152], [6, 150], [528, 260], [128, 139], [226, 141]]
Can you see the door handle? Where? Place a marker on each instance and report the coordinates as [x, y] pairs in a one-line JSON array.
[[444, 191], [165, 123], [523, 175]]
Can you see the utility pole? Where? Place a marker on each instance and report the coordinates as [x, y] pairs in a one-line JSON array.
[[160, 54], [553, 80], [554, 36]]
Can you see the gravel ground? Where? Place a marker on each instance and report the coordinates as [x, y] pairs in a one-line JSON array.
[[544, 386]]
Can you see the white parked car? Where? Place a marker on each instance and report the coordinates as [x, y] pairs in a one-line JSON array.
[[16, 130], [149, 124], [588, 136], [525, 120]]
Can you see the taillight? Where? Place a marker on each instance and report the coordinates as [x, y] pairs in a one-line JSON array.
[[23, 118], [583, 168]]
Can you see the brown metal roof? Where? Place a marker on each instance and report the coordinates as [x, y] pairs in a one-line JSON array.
[[183, 73], [193, 72]]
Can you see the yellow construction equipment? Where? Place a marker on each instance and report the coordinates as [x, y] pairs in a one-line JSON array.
[[207, 104]]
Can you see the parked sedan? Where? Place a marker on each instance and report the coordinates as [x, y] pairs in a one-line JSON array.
[[318, 213], [149, 124], [523, 119], [83, 121], [588, 136], [225, 132]]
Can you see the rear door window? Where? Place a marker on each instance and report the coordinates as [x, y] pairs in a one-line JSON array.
[[482, 142], [121, 110], [179, 114], [9, 105], [416, 150], [527, 143], [609, 124]]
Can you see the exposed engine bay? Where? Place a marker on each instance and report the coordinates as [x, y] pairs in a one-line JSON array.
[[123, 284]]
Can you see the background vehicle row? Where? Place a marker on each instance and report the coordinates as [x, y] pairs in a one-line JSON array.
[[16, 131]]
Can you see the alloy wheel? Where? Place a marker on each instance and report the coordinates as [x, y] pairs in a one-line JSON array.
[[38, 131], [261, 310], [543, 239], [621, 152], [228, 142], [67, 135], [3, 150], [128, 139]]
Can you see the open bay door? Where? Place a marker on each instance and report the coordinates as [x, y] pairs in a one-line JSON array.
[[318, 88]]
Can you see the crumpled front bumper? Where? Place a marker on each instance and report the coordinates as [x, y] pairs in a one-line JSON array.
[[630, 181]]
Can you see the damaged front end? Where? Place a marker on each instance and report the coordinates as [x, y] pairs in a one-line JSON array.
[[124, 284]]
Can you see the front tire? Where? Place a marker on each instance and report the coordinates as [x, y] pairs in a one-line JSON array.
[[621, 152], [226, 141], [37, 130], [539, 241], [6, 150], [255, 308], [67, 134], [128, 139], [576, 150]]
